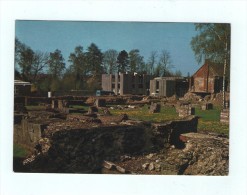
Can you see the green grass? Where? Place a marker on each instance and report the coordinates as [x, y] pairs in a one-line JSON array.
[[79, 107], [210, 121], [19, 151], [166, 114]]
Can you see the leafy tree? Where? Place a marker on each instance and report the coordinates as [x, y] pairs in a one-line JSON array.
[[110, 61], [56, 64], [94, 59], [69, 81], [152, 60], [78, 68], [123, 62], [213, 43], [165, 63], [25, 61], [136, 61]]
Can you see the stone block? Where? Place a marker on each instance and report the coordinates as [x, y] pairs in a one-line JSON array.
[[54, 104], [92, 109], [224, 116], [154, 108], [100, 102], [186, 110], [207, 106]]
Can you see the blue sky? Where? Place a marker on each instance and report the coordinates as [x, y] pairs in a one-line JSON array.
[[47, 36]]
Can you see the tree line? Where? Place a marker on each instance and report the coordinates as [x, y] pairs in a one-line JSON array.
[[48, 71]]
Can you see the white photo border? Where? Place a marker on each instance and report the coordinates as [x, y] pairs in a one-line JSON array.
[[223, 11]]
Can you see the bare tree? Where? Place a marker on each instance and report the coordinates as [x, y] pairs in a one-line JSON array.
[[152, 60], [39, 64], [110, 61], [165, 63]]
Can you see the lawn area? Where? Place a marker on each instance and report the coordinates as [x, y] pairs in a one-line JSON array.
[[19, 151], [165, 114], [33, 108], [209, 119]]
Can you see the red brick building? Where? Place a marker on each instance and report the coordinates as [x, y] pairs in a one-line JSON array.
[[207, 79]]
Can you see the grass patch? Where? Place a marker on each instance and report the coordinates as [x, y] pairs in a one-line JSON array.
[[79, 107], [34, 108], [19, 151], [210, 121], [166, 114]]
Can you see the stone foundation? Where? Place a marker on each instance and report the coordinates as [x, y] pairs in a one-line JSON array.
[[83, 150]]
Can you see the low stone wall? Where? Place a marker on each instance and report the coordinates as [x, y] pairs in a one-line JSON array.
[[83, 150]]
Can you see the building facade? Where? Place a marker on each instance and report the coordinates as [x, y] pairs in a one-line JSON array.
[[123, 84], [22, 88], [207, 79], [169, 86]]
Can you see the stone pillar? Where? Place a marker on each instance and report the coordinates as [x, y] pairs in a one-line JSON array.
[[54, 104], [224, 116]]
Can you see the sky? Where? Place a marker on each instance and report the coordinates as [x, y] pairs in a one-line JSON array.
[[47, 36]]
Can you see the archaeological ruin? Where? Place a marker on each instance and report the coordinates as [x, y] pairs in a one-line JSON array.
[[63, 138]]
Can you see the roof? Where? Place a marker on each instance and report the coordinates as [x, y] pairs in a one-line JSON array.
[[19, 82], [215, 69], [168, 78]]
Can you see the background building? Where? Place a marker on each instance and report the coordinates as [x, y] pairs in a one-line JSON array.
[[169, 86], [122, 84], [22, 88], [208, 78]]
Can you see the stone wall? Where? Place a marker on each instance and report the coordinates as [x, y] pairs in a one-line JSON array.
[[185, 110], [83, 150]]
